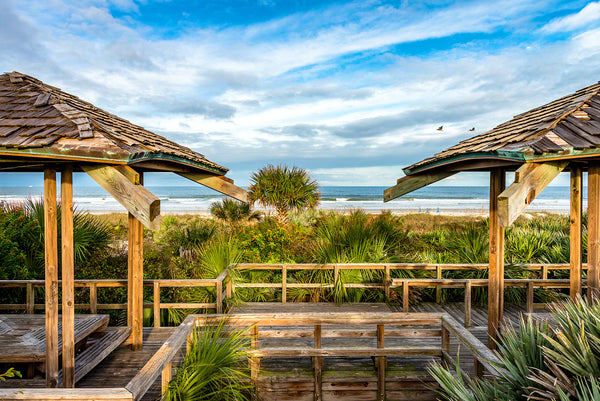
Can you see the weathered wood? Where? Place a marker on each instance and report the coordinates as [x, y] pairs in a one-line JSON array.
[[350, 333], [219, 296], [575, 231], [165, 378], [530, 180], [30, 294], [388, 281], [156, 304], [100, 394], [485, 356], [496, 258], [593, 231], [405, 296], [135, 198], [136, 275], [348, 352], [165, 354], [468, 304], [438, 289], [411, 183], [529, 301], [93, 298], [68, 285], [381, 363], [51, 275], [219, 183], [318, 365], [284, 284]]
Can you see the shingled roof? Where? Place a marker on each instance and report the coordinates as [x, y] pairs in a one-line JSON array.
[[564, 128], [42, 121]]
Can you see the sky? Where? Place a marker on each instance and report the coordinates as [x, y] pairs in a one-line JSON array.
[[351, 90]]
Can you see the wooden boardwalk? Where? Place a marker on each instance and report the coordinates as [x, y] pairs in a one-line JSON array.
[[292, 378]]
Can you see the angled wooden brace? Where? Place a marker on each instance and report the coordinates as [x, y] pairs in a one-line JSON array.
[[135, 198], [530, 180], [411, 183], [219, 183]]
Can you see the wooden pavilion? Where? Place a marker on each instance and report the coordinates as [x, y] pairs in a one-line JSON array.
[[45, 129], [563, 135]]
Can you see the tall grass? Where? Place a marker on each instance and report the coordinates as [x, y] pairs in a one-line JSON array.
[[539, 361], [213, 368]]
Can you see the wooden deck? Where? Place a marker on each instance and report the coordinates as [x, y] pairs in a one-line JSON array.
[[292, 378]]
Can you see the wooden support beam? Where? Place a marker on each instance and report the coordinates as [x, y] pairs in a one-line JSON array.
[[135, 198], [219, 183], [51, 284], [411, 183], [68, 279], [530, 180], [575, 231], [496, 258], [136, 284], [593, 273]]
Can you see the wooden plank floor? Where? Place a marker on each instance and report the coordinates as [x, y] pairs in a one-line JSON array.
[[406, 377]]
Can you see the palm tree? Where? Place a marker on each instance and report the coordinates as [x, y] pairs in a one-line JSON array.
[[233, 211], [284, 188]]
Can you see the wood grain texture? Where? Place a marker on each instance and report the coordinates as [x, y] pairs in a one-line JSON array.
[[593, 230], [135, 198], [575, 227], [51, 276], [530, 180], [68, 278], [496, 258], [411, 183], [219, 183]]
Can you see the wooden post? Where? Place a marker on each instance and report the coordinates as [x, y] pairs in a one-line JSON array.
[[529, 304], [468, 303], [254, 361], [593, 272], [405, 296], [438, 290], [380, 363], [51, 284], [445, 339], [156, 303], [68, 279], [135, 282], [496, 259], [93, 298], [283, 284], [165, 378], [30, 298], [219, 298], [318, 366], [575, 232], [388, 281], [478, 368]]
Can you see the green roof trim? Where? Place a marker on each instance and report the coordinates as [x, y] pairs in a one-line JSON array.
[[148, 156], [517, 156]]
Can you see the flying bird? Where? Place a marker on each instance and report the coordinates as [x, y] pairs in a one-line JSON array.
[[472, 129], [440, 128]]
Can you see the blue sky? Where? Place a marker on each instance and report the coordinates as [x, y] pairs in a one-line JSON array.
[[352, 90]]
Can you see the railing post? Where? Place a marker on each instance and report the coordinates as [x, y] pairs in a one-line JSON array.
[[545, 272], [478, 368], [529, 304], [438, 290], [156, 303], [228, 288], [380, 363], [445, 342], [388, 280], [165, 378], [254, 361], [219, 300], [283, 284], [405, 295], [468, 303], [336, 275], [30, 298], [318, 365], [93, 298]]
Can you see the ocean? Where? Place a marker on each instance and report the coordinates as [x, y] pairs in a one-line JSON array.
[[432, 199]]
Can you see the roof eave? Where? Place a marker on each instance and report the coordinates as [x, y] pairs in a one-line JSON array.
[[498, 155], [159, 156]]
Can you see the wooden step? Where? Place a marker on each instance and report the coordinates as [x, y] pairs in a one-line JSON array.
[[90, 357]]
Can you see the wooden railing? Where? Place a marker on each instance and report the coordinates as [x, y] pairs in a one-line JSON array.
[[420, 325], [93, 306]]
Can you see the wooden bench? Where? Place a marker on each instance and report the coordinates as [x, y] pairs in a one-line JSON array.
[[94, 354]]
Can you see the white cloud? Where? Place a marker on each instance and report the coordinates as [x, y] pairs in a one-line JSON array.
[[590, 14]]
